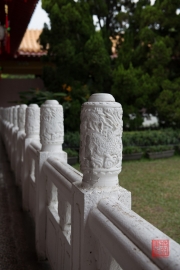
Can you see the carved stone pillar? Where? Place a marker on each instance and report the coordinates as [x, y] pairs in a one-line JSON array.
[[32, 129], [10, 126], [52, 128], [32, 125], [13, 138], [15, 116], [20, 143], [22, 117], [101, 141], [8, 113], [100, 161], [11, 115], [4, 115], [7, 116], [51, 137]]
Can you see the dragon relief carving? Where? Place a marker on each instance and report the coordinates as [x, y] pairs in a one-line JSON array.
[[101, 143], [52, 129]]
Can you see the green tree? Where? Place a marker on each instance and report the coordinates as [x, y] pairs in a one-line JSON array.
[[168, 103], [151, 46], [74, 46], [148, 53], [111, 17], [81, 61]]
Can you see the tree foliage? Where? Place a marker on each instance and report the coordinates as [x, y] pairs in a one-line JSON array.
[[81, 61], [74, 46], [149, 59], [146, 72]]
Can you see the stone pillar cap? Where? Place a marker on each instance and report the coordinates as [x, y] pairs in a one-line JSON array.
[[33, 106], [51, 102], [101, 97]]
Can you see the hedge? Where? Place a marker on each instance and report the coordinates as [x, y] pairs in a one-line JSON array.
[[134, 138]]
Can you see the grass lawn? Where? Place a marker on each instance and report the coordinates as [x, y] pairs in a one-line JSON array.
[[155, 189]]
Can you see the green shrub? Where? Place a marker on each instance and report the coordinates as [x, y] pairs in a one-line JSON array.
[[178, 149], [151, 137], [72, 140], [131, 150], [71, 152], [38, 96], [133, 138], [160, 148]]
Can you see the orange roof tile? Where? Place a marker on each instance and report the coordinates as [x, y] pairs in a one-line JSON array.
[[29, 45]]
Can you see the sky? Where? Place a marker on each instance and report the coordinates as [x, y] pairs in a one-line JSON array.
[[38, 18]]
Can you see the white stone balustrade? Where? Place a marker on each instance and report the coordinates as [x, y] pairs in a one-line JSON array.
[[82, 221]]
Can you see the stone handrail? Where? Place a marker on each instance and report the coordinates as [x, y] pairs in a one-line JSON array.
[[82, 220]]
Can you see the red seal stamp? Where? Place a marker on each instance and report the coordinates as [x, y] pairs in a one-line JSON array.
[[160, 248]]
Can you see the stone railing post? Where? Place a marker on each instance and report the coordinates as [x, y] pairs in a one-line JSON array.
[[20, 134], [9, 132], [32, 124], [52, 128], [52, 138], [101, 141], [32, 128], [14, 136], [22, 117], [11, 115], [5, 123], [15, 116], [100, 162]]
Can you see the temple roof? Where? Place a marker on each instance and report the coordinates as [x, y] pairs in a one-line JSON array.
[[29, 45], [26, 60]]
